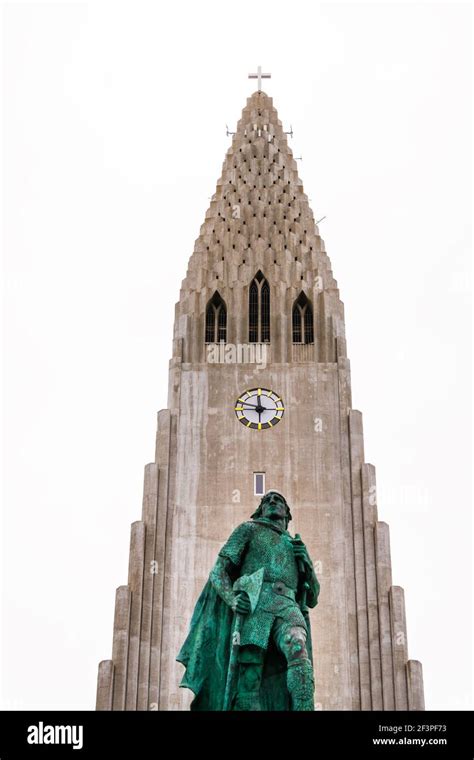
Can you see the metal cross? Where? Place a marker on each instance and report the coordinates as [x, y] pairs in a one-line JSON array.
[[259, 76]]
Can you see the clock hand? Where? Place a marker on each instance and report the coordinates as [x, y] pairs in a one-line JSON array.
[[263, 408], [248, 406]]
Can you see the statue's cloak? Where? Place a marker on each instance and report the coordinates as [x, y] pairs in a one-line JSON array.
[[205, 655]]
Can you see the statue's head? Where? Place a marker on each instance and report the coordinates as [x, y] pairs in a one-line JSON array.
[[274, 507]]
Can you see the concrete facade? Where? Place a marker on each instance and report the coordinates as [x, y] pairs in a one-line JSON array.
[[201, 484]]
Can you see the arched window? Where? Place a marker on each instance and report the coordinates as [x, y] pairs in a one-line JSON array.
[[253, 313], [216, 320], [259, 310], [297, 334], [308, 324], [303, 323], [265, 312]]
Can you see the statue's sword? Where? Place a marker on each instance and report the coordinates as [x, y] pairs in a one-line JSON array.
[[305, 587], [252, 586]]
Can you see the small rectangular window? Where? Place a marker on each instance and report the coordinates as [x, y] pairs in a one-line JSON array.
[[259, 483]]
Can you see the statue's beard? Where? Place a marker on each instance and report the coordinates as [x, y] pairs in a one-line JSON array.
[[276, 517]]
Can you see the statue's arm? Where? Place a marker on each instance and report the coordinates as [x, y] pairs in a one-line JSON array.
[[313, 583], [228, 561], [220, 580], [305, 567]]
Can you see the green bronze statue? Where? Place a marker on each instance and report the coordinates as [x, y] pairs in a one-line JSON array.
[[249, 644]]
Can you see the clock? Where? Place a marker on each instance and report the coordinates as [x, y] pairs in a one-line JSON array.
[[259, 408]]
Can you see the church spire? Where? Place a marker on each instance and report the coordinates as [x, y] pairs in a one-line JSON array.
[[260, 219], [259, 214]]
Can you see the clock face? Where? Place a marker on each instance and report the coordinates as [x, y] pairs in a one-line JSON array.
[[259, 408]]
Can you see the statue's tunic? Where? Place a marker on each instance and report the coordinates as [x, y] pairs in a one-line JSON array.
[[251, 546]]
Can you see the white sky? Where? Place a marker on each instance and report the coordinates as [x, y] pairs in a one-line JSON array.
[[114, 134]]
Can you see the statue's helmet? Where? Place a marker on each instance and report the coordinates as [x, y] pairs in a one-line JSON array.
[[259, 511]]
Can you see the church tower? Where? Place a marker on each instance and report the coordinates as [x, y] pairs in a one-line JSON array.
[[259, 317]]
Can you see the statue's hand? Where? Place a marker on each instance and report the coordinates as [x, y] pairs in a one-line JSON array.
[[241, 603], [300, 551]]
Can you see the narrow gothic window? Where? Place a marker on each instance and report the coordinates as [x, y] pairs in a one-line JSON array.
[[222, 322], [303, 323], [210, 324], [259, 310], [296, 324], [308, 324], [216, 320], [253, 313], [265, 299]]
